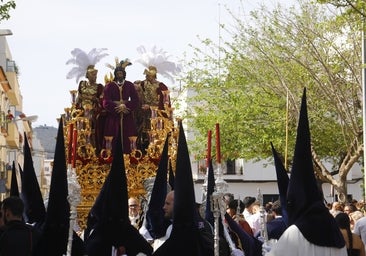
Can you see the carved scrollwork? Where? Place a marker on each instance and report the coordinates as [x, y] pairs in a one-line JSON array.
[[92, 169]]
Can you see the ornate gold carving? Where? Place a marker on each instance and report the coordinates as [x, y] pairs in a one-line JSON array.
[[91, 170]]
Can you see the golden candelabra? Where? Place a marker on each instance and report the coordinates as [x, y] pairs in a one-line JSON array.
[[92, 168]]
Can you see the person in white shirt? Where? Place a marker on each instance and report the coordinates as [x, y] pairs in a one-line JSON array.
[[254, 220], [248, 204]]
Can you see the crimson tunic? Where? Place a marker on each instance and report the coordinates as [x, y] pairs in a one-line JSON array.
[[113, 119]]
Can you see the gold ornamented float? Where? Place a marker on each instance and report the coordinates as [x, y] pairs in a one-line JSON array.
[[92, 168]]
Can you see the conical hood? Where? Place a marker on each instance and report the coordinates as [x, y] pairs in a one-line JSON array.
[[54, 238], [171, 176], [184, 196], [20, 171], [102, 211], [210, 189], [14, 188], [156, 224], [282, 182], [58, 209], [184, 238], [305, 205], [31, 192], [251, 245], [109, 215]]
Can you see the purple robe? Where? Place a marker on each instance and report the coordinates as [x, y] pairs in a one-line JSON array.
[[113, 119]]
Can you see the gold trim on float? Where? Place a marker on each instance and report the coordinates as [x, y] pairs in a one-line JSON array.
[[92, 169]]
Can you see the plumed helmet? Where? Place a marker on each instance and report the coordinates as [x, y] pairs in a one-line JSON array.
[[91, 70], [156, 61], [83, 61], [151, 71]]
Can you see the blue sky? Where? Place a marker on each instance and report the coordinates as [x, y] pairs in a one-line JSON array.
[[45, 32]]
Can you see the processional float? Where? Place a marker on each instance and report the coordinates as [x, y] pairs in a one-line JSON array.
[[88, 169]]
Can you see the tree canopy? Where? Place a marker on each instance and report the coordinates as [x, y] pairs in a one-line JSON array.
[[357, 7], [252, 86], [5, 8]]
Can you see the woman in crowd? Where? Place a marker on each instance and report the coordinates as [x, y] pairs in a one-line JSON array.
[[355, 246]]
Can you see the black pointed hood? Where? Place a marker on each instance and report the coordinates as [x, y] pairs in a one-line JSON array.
[[210, 189], [14, 188], [111, 223], [54, 237], [20, 171], [305, 205], [156, 224], [171, 175], [35, 209], [184, 238], [282, 182], [251, 245], [58, 209]]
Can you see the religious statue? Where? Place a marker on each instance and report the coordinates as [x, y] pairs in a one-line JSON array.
[[90, 93], [155, 94]]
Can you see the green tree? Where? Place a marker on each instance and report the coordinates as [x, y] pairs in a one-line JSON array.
[[252, 86], [357, 6], [5, 8]]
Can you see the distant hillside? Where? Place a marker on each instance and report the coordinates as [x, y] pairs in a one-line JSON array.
[[47, 137]]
